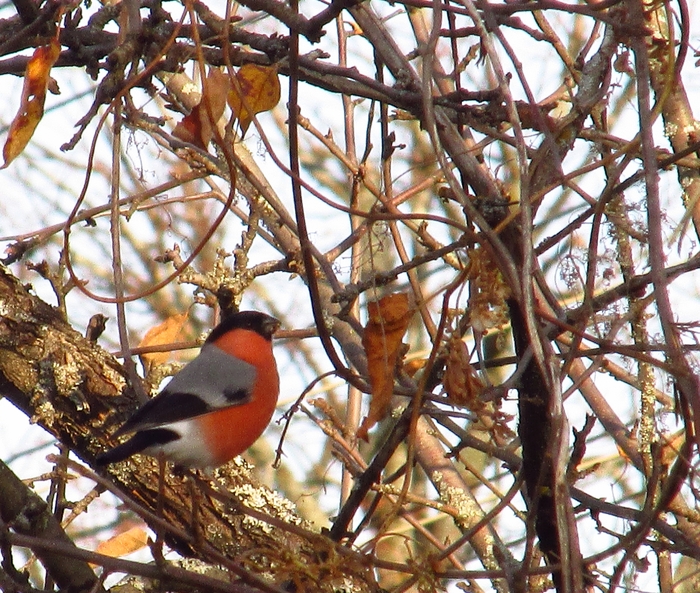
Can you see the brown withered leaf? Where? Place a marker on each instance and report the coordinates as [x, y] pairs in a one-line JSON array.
[[198, 127], [489, 293], [412, 367], [258, 90], [464, 387], [124, 543], [461, 382], [31, 109], [388, 321], [160, 335]]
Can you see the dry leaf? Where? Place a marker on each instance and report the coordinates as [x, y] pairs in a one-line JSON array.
[[464, 387], [488, 295], [198, 127], [387, 324], [461, 382], [165, 333], [124, 543], [31, 110], [413, 366], [258, 90]]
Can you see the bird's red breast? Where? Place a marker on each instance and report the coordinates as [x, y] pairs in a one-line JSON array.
[[229, 432]]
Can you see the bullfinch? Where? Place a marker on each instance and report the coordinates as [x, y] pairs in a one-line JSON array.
[[217, 405]]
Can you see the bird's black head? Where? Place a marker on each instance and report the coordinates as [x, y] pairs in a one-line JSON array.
[[260, 323]]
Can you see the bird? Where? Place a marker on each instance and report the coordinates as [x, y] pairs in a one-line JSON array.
[[217, 406]]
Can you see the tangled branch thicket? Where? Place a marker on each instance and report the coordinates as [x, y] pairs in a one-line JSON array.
[[527, 172]]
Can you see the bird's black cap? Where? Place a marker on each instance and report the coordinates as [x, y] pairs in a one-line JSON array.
[[260, 323]]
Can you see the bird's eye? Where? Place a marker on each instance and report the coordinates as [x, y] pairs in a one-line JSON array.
[[235, 395]]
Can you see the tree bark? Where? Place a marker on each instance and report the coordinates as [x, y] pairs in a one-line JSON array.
[[80, 394]]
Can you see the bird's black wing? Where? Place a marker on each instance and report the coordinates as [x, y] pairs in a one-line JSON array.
[[212, 381]]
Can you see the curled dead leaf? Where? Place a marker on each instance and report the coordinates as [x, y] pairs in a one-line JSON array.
[[160, 335], [198, 127], [489, 292], [36, 81], [464, 387], [124, 543], [412, 367], [256, 89], [461, 381], [382, 340]]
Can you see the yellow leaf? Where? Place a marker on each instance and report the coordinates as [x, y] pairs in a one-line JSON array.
[[160, 335], [257, 90], [31, 110], [388, 321]]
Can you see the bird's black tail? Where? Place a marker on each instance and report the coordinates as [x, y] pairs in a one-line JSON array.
[[141, 441]]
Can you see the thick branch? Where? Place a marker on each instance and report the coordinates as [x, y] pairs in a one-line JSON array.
[[79, 393], [26, 513]]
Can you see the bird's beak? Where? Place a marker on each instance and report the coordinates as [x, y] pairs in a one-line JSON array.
[[272, 325]]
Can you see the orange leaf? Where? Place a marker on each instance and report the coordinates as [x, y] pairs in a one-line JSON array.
[[387, 324], [160, 335], [198, 127], [124, 543], [31, 109], [413, 366], [258, 90]]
